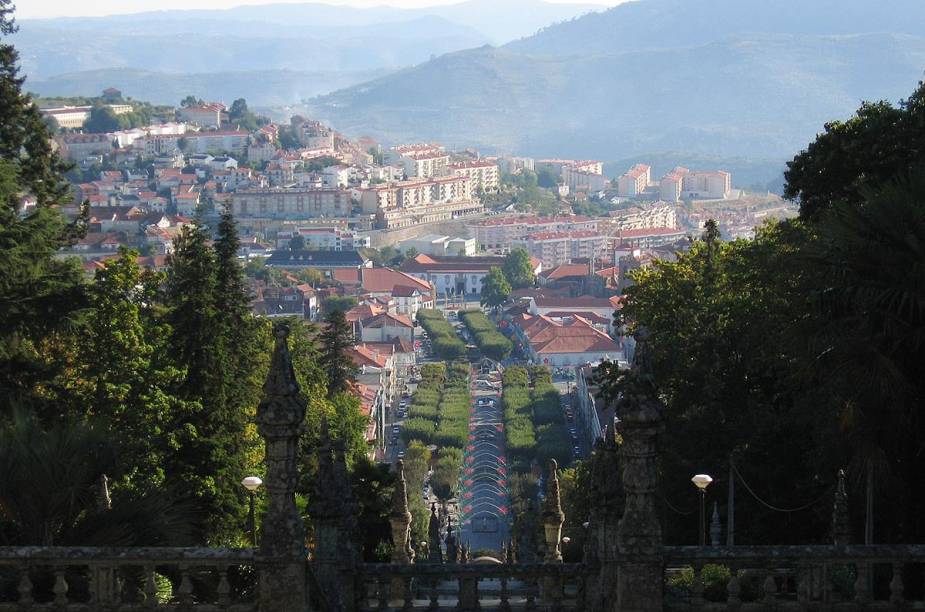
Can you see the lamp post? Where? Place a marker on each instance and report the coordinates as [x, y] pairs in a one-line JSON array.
[[252, 483], [702, 481]]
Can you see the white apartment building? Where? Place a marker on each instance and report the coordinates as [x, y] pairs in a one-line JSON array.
[[684, 184], [74, 117], [483, 174], [633, 182], [207, 115], [432, 244], [500, 232], [424, 160], [582, 180], [325, 239], [277, 203], [557, 248], [217, 141], [337, 176], [415, 193], [514, 165], [659, 214]]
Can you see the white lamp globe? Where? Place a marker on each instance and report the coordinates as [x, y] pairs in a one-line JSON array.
[[702, 481], [252, 483]]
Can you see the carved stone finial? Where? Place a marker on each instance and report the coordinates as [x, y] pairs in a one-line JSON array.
[[716, 529], [464, 553], [841, 524], [433, 536], [503, 554], [511, 551], [280, 417], [452, 544], [103, 500], [553, 517], [400, 519]]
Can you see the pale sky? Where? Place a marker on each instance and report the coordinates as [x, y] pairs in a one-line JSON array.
[[60, 8]]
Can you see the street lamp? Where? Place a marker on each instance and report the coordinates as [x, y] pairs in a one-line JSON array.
[[252, 483], [702, 481]]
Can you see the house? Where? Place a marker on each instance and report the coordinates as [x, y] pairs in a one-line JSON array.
[[204, 115], [543, 305], [281, 302], [456, 275], [570, 340], [386, 327], [409, 292]]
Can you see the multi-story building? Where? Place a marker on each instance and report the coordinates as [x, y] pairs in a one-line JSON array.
[[315, 135], [579, 179], [421, 160], [219, 141], [483, 174], [557, 248], [277, 203], [500, 232], [671, 185], [206, 115], [78, 146], [74, 117], [634, 181], [417, 201], [433, 244], [325, 238], [684, 184], [456, 275], [658, 214], [515, 165]]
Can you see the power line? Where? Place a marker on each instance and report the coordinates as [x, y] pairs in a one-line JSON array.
[[771, 506]]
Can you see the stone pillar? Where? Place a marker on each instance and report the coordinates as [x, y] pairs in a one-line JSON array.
[[281, 558], [841, 525], [553, 516], [333, 519], [639, 537], [606, 506], [400, 520]]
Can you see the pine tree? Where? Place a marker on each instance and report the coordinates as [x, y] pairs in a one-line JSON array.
[[336, 340], [38, 292]]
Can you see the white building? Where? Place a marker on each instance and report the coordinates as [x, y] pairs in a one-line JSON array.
[[500, 232], [432, 244], [634, 182], [483, 174], [207, 115], [557, 248]]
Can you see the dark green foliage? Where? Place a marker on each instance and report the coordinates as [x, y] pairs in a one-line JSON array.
[[336, 341], [39, 294], [341, 303], [496, 290], [446, 344], [102, 120], [879, 143], [490, 341], [518, 269], [51, 486]]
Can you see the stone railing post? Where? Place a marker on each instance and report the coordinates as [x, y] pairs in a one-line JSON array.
[[601, 550], [400, 520], [553, 517], [281, 559], [639, 537], [335, 558]]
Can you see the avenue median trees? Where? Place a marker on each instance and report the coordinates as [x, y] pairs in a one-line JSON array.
[[490, 341], [446, 344]]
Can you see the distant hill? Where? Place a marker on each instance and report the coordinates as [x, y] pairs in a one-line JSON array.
[[722, 78], [307, 37], [265, 88]]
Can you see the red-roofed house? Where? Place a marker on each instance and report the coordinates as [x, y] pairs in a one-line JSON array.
[[570, 340], [386, 327]]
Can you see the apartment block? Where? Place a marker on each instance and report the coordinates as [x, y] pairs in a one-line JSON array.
[[634, 182], [557, 248]]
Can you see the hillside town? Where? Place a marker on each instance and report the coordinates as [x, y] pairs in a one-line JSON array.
[[393, 230]]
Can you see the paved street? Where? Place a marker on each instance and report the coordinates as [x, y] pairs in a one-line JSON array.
[[485, 507]]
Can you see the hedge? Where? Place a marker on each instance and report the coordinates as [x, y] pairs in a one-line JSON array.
[[490, 341], [444, 341]]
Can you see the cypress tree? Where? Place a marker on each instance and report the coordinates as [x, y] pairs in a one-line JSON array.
[[336, 340]]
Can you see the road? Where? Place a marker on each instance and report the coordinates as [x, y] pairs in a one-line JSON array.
[[485, 506]]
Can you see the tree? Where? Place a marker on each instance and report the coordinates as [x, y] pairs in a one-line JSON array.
[[518, 269], [879, 143], [297, 243], [546, 178], [495, 290], [39, 293], [238, 109], [340, 303], [336, 341], [102, 120], [190, 101]]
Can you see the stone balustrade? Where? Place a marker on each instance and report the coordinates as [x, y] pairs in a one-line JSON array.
[[90, 579], [793, 577], [473, 586]]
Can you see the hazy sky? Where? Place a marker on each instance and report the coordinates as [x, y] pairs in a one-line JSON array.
[[59, 8]]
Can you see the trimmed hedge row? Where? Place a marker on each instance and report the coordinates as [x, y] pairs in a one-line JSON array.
[[520, 434], [446, 344], [490, 341], [440, 406], [533, 419]]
